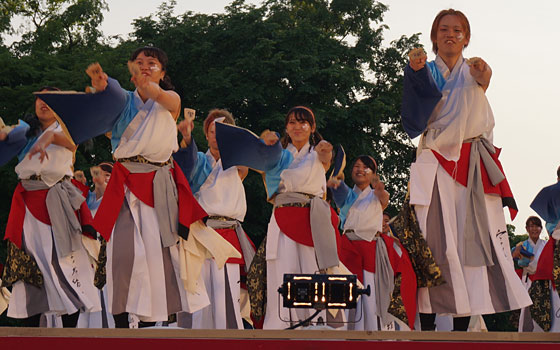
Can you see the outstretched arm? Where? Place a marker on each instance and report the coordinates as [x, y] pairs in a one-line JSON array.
[[480, 71]]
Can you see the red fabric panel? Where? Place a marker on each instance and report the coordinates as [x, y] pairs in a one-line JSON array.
[[294, 222], [231, 236], [141, 185], [351, 257], [83, 188], [35, 201], [189, 209], [459, 171], [546, 262]]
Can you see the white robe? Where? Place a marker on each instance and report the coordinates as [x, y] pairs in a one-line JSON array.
[[462, 113], [151, 134], [222, 194], [54, 297], [305, 174]]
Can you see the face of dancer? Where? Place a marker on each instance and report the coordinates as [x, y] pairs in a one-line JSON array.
[[45, 115], [386, 227], [299, 130], [361, 174], [211, 137], [451, 37], [150, 67], [534, 231], [100, 177]]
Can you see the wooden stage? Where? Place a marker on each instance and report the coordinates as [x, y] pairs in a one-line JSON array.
[[139, 339]]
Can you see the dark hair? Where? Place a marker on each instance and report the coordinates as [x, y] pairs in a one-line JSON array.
[[450, 12], [302, 114], [106, 166], [533, 220], [161, 56], [368, 162], [558, 172], [31, 118]]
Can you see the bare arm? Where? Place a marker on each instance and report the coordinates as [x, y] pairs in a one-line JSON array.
[[480, 71], [242, 171], [57, 138], [379, 191], [324, 151]]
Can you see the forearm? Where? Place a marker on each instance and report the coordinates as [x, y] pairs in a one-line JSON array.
[[484, 79], [169, 100], [383, 197], [62, 140]]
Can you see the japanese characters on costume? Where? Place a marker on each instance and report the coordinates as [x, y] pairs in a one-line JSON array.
[[47, 265], [458, 188], [300, 236], [150, 272], [375, 258], [222, 195]]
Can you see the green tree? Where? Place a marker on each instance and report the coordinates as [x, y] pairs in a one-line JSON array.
[[52, 25], [258, 61]]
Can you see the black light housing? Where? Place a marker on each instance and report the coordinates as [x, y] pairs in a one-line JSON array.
[[319, 291]]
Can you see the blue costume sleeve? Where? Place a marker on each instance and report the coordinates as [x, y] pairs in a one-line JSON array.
[[344, 198], [87, 115], [547, 205], [194, 165], [240, 146], [15, 142], [125, 117], [420, 96], [272, 175]]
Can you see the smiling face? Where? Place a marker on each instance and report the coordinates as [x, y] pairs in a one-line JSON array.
[[451, 36], [361, 174], [150, 67], [534, 231], [299, 131]]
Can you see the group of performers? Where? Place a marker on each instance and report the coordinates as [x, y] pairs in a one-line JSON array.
[[160, 239]]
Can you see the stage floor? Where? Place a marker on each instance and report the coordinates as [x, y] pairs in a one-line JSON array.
[[139, 339]]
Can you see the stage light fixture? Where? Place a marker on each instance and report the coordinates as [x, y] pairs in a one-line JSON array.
[[320, 291]]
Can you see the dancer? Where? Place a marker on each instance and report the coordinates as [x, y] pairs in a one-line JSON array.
[[100, 175], [222, 195], [145, 197], [47, 264], [302, 234], [457, 186], [366, 239]]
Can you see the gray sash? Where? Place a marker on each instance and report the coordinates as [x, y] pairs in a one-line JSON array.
[[384, 281], [478, 250], [322, 231], [246, 248], [165, 199], [63, 199], [384, 278]]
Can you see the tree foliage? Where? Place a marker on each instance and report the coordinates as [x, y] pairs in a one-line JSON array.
[[256, 61]]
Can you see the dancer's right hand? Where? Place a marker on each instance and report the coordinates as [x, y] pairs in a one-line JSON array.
[[417, 58], [98, 77]]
